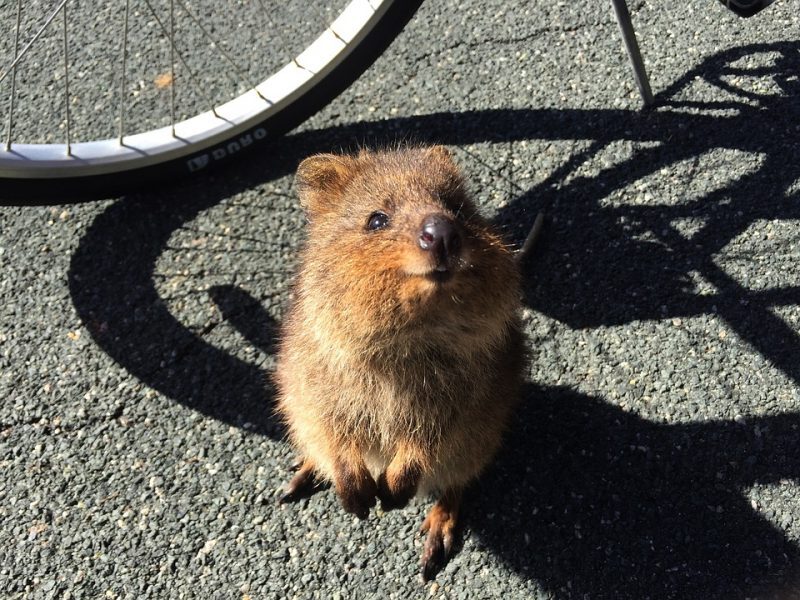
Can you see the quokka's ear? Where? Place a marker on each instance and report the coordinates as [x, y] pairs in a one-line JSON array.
[[441, 157], [440, 152], [320, 179], [440, 161]]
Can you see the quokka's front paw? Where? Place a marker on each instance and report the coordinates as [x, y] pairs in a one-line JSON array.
[[301, 485], [395, 492], [357, 490]]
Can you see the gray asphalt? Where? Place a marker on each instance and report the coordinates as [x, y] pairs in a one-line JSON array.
[[655, 454]]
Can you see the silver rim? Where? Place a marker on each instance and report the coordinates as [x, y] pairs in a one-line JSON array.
[[235, 121]]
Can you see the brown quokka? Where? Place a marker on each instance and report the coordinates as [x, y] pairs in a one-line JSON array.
[[401, 357]]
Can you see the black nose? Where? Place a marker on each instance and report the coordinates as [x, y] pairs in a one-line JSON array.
[[440, 235]]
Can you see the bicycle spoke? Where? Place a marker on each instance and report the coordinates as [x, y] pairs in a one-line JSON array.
[[280, 37], [177, 52], [33, 40], [172, 64], [277, 30], [239, 72], [123, 81], [66, 80], [13, 79]]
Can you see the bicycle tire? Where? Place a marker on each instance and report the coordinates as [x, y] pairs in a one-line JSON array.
[[54, 186]]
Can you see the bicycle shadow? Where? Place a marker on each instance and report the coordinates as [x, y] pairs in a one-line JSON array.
[[633, 260], [568, 450], [594, 502]]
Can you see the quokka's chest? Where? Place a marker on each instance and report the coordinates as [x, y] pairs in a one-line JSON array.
[[410, 401]]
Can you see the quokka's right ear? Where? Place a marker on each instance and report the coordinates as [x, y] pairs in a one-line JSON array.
[[320, 180]]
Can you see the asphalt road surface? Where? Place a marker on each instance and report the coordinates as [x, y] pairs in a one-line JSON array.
[[657, 451]]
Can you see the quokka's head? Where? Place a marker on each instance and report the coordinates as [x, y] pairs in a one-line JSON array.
[[397, 230]]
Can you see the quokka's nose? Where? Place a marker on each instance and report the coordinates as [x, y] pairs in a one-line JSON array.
[[440, 235]]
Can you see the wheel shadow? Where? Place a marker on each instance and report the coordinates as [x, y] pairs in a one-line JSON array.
[[113, 286], [622, 504]]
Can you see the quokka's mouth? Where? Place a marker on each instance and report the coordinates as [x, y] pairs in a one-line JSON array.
[[437, 271], [440, 276]]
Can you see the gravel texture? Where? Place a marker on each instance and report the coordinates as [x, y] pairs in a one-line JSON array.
[[655, 454]]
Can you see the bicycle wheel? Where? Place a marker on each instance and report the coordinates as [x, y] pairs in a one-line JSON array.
[[67, 170]]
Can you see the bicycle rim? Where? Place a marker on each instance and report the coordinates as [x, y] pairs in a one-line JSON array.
[[33, 173]]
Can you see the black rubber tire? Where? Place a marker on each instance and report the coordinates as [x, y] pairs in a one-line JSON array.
[[19, 191], [746, 8]]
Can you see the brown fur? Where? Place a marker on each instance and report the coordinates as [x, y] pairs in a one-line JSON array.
[[391, 381]]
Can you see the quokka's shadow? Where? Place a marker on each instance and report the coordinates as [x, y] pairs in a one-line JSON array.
[[594, 502]]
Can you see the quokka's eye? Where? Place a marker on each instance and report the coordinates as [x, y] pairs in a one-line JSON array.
[[377, 220]]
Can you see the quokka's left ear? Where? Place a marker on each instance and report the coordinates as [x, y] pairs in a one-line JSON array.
[[320, 179], [440, 152]]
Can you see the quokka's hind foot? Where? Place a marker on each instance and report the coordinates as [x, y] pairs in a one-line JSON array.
[[440, 525]]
